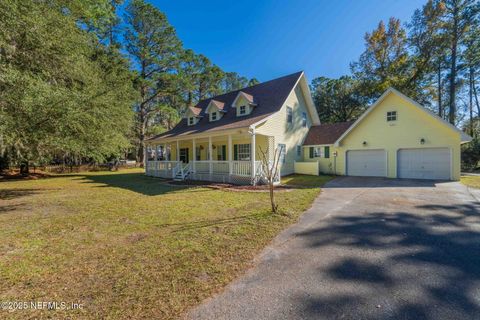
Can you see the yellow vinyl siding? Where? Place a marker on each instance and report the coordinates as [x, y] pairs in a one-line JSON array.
[[292, 134], [241, 101], [410, 127]]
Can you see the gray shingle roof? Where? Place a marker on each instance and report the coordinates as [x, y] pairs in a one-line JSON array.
[[268, 96]]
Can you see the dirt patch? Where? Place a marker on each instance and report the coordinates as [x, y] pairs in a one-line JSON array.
[[230, 187], [15, 175]]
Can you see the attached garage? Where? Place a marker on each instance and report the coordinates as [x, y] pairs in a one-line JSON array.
[[425, 163], [367, 163]]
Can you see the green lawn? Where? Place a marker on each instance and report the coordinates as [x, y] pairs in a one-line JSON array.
[[127, 246], [471, 181]]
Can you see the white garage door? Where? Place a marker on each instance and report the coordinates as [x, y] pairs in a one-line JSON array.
[[430, 163], [368, 163]]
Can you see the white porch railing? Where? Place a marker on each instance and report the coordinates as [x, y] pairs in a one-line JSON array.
[[163, 169], [222, 171]]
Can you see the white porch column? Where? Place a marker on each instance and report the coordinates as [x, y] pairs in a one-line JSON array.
[[164, 152], [252, 154], [210, 153], [230, 154], [194, 153], [177, 153]]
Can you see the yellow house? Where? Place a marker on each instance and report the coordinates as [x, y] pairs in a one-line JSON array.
[[226, 138], [396, 137]]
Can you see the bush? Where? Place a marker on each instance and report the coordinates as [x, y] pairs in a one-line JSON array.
[[471, 155]]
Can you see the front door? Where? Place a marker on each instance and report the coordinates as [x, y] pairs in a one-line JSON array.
[[184, 155]]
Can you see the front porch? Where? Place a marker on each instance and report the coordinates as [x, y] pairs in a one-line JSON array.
[[230, 158]]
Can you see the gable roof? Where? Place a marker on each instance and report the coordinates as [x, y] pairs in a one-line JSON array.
[[269, 97], [326, 133], [463, 136], [247, 96], [195, 111], [217, 104]]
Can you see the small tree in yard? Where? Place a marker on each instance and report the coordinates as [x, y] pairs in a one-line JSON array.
[[270, 170]]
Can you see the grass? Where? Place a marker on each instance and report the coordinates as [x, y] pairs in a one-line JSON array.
[[127, 246], [305, 180], [471, 181]]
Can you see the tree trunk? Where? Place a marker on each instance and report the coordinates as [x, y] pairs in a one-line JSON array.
[[439, 84], [475, 95], [24, 168], [453, 69], [470, 101]]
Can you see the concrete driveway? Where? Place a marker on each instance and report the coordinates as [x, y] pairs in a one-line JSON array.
[[369, 248]]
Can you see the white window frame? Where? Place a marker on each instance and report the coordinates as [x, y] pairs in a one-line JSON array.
[[304, 119], [392, 116], [299, 150], [243, 152], [283, 152], [191, 121], [318, 152], [215, 113], [289, 115], [244, 112]]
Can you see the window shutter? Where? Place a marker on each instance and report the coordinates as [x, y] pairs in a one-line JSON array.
[[224, 152], [327, 152], [235, 152], [311, 152]]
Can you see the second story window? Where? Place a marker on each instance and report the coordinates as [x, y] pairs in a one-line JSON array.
[[304, 119], [191, 121], [289, 115], [243, 110], [391, 116], [213, 116]]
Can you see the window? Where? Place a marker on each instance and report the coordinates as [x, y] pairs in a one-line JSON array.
[[304, 119], [327, 152], [241, 152], [213, 116], [391, 115], [283, 150], [222, 153], [191, 121], [243, 110], [299, 151], [198, 154], [289, 115], [317, 152]]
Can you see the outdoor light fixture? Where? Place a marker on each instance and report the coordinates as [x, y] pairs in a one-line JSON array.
[[364, 143], [214, 147], [201, 147], [422, 141]]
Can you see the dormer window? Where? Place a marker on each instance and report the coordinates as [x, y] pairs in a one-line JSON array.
[[191, 121], [243, 110], [214, 116], [244, 104]]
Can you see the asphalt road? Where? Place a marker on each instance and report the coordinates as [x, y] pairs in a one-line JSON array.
[[367, 249]]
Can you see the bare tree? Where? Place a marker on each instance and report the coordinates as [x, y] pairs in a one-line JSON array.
[[270, 171]]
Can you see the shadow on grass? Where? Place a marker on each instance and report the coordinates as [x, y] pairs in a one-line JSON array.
[[178, 227], [137, 182], [408, 266], [11, 194]]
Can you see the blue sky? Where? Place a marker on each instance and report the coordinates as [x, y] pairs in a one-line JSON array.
[[270, 38]]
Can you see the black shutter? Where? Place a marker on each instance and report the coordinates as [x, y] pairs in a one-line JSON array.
[[235, 152], [224, 152], [311, 152], [327, 152]]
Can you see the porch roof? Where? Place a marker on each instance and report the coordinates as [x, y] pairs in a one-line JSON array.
[[269, 97]]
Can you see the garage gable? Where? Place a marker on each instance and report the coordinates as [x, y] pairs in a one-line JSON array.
[[395, 109]]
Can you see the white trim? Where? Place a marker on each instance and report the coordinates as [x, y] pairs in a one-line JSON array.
[[450, 151], [377, 149], [243, 94], [464, 137]]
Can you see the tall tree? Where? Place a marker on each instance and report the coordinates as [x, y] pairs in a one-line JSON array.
[[427, 44], [458, 16], [154, 49], [59, 91], [337, 100], [384, 62], [233, 81]]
